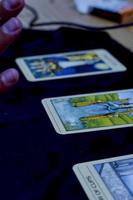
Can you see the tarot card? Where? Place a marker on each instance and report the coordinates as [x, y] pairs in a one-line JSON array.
[[66, 65], [90, 112], [108, 179]]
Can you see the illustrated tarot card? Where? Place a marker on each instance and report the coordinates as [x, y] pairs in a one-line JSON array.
[[90, 112], [66, 65], [107, 179]]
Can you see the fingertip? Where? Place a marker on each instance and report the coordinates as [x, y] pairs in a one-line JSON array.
[[9, 78], [12, 26], [10, 5]]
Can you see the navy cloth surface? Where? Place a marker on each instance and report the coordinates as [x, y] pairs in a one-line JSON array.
[[36, 162]]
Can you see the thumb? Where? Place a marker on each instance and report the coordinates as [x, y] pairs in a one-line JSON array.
[[8, 78]]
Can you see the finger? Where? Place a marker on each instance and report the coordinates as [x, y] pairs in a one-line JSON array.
[[8, 78], [9, 9], [8, 33]]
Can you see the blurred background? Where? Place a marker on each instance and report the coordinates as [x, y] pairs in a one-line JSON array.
[[65, 10]]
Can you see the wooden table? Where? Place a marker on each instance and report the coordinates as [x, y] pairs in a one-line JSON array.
[[64, 10]]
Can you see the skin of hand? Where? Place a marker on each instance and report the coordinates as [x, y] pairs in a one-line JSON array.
[[10, 28]]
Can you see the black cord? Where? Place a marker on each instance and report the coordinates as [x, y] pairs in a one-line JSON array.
[[34, 14], [76, 25], [70, 24]]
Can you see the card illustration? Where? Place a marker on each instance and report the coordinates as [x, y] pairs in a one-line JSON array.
[[83, 113], [121, 175], [113, 178], [66, 65]]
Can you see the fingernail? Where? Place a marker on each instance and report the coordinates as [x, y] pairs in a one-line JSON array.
[[11, 26], [12, 4], [9, 77]]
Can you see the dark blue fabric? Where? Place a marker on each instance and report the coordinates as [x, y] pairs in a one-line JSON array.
[[35, 162]]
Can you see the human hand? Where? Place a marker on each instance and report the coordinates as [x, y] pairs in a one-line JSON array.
[[9, 30]]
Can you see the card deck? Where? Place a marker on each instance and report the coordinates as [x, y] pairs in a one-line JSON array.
[[68, 65], [90, 112], [107, 179]]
